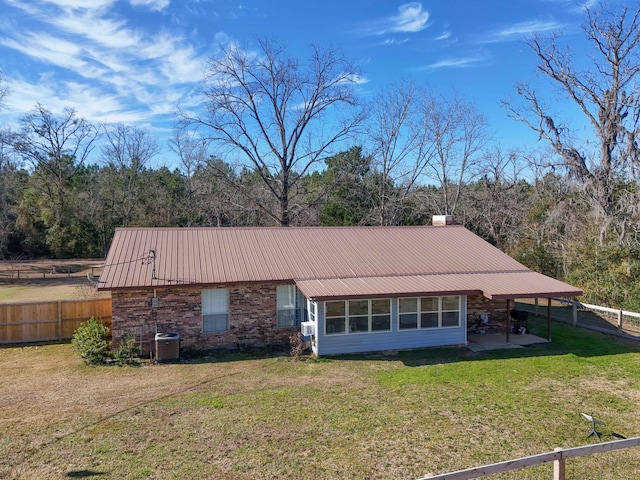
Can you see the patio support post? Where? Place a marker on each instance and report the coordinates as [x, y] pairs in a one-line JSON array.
[[549, 318], [508, 319]]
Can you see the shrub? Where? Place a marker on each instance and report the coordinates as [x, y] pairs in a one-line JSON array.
[[298, 345], [90, 341], [126, 350]]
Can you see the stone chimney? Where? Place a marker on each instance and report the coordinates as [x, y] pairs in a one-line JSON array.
[[442, 220]]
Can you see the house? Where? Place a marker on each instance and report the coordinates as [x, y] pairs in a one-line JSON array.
[[352, 289]]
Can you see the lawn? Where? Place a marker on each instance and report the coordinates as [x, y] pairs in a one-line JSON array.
[[238, 416]]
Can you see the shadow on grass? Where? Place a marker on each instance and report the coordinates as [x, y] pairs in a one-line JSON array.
[[35, 344], [224, 355], [565, 340], [84, 474]]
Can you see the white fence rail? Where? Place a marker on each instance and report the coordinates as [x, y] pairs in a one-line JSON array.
[[558, 456], [594, 317]]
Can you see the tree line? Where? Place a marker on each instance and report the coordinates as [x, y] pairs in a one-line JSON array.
[[281, 141]]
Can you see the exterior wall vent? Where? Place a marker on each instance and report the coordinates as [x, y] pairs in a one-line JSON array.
[[308, 329], [441, 220]]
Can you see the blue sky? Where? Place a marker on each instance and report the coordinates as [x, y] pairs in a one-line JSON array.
[[134, 61]]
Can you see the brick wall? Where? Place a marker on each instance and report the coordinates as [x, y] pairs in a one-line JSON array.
[[252, 317]]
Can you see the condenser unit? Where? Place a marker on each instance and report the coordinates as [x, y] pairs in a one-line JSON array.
[[167, 346]]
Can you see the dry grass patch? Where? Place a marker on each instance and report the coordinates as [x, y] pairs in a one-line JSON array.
[[356, 417]]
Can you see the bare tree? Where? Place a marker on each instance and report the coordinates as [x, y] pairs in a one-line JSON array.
[[56, 147], [192, 153], [4, 90], [281, 115], [402, 146], [607, 96], [459, 134], [421, 137], [497, 201], [126, 152]]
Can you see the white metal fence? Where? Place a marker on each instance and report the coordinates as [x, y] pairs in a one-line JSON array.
[[594, 317]]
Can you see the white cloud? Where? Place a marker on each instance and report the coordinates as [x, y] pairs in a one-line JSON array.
[[80, 97], [455, 62], [411, 18], [108, 33], [521, 30], [157, 5], [48, 49], [443, 36], [395, 41], [98, 64], [528, 28]]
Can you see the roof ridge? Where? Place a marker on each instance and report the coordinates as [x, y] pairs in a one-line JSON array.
[[302, 227]]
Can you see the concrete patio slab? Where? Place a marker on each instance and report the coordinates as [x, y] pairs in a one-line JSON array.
[[477, 342]]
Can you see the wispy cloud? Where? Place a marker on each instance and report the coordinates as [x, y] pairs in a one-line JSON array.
[[157, 5], [394, 41], [446, 35], [521, 30], [456, 62], [411, 18], [90, 53]]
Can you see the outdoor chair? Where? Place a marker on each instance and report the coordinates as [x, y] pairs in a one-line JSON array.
[[482, 324]]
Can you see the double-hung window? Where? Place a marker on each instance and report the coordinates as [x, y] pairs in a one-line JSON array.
[[428, 312], [215, 310], [290, 302]]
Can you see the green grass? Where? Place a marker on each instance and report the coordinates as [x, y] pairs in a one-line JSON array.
[[357, 416]]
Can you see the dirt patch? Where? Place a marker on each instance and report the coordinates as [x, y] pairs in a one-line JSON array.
[[45, 280]]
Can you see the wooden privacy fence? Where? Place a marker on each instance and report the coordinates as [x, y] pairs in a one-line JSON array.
[[558, 457], [46, 321]]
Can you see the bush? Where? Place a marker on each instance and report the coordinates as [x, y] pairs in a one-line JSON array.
[[298, 345], [126, 350], [90, 341]]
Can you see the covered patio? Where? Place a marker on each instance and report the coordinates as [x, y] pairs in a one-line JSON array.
[[504, 334], [495, 340]]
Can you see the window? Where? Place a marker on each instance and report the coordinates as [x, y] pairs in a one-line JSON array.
[[428, 312], [357, 316], [289, 305], [408, 313], [311, 309], [451, 311], [380, 315], [215, 310], [335, 317]]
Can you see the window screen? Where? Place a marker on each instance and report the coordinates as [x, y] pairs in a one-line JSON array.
[[215, 310]]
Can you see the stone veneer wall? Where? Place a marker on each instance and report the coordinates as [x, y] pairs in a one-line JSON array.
[[252, 317], [497, 309]]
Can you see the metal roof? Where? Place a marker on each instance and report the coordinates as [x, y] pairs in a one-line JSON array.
[[325, 262]]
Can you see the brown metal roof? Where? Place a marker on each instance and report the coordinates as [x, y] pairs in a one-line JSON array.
[[493, 285], [326, 262]]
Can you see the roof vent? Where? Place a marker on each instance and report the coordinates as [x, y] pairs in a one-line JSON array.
[[440, 220]]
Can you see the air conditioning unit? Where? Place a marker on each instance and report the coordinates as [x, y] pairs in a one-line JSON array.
[[167, 346], [308, 328]]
